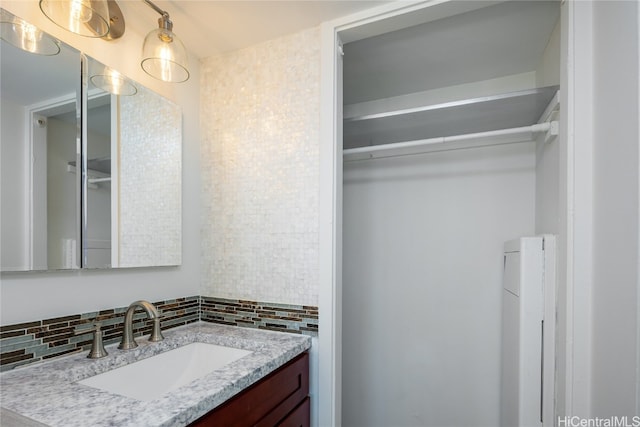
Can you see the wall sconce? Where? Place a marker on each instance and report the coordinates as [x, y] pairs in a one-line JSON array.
[[163, 54], [19, 33], [88, 18]]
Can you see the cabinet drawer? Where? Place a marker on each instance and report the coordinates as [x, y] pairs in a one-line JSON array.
[[267, 402]]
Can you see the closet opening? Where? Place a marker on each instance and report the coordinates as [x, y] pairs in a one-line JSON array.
[[450, 131]]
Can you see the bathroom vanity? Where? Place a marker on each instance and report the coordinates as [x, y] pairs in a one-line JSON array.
[[280, 399], [268, 386]]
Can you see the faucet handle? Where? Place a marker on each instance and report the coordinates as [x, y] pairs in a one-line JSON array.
[[156, 332], [97, 346]]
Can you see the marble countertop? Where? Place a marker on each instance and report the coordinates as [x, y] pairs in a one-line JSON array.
[[48, 392]]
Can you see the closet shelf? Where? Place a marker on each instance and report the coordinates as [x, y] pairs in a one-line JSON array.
[[467, 116], [455, 142], [98, 171], [101, 165]]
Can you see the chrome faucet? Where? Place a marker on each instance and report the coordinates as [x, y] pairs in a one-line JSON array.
[[128, 341]]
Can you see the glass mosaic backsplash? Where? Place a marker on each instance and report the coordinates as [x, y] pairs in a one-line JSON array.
[[300, 319], [30, 342]]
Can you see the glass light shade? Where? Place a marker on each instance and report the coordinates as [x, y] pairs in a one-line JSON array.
[[88, 18], [21, 34], [113, 82], [164, 56]]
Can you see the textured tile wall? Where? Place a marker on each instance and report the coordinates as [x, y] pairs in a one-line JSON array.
[[150, 181], [260, 162]]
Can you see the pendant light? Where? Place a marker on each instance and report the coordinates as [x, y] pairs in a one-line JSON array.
[[163, 54], [19, 33], [88, 18]]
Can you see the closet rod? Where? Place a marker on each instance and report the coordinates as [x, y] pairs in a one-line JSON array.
[[539, 127]]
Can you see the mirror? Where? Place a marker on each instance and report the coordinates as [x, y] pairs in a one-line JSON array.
[[104, 187], [39, 95], [134, 169]]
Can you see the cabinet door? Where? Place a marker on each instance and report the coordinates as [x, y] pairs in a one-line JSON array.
[[299, 417], [266, 403]]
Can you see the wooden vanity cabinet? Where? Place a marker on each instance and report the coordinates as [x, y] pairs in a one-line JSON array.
[[280, 399]]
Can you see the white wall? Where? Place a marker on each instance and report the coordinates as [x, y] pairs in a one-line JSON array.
[[547, 190], [99, 199], [548, 71], [615, 189], [547, 154], [61, 189], [14, 216], [32, 296], [422, 280]]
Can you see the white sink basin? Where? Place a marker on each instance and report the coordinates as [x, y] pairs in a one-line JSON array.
[[150, 378]]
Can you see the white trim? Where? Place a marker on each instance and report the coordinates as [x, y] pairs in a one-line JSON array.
[[54, 106], [580, 193], [638, 237], [564, 375], [550, 322], [37, 149], [36, 203], [564, 350], [115, 181], [27, 254], [329, 373], [575, 274], [81, 150], [326, 322]]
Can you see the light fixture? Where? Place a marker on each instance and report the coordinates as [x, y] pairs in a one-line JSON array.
[[163, 54], [88, 18], [109, 80], [19, 33]]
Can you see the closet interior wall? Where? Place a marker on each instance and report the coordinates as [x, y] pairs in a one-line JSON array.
[[423, 233]]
